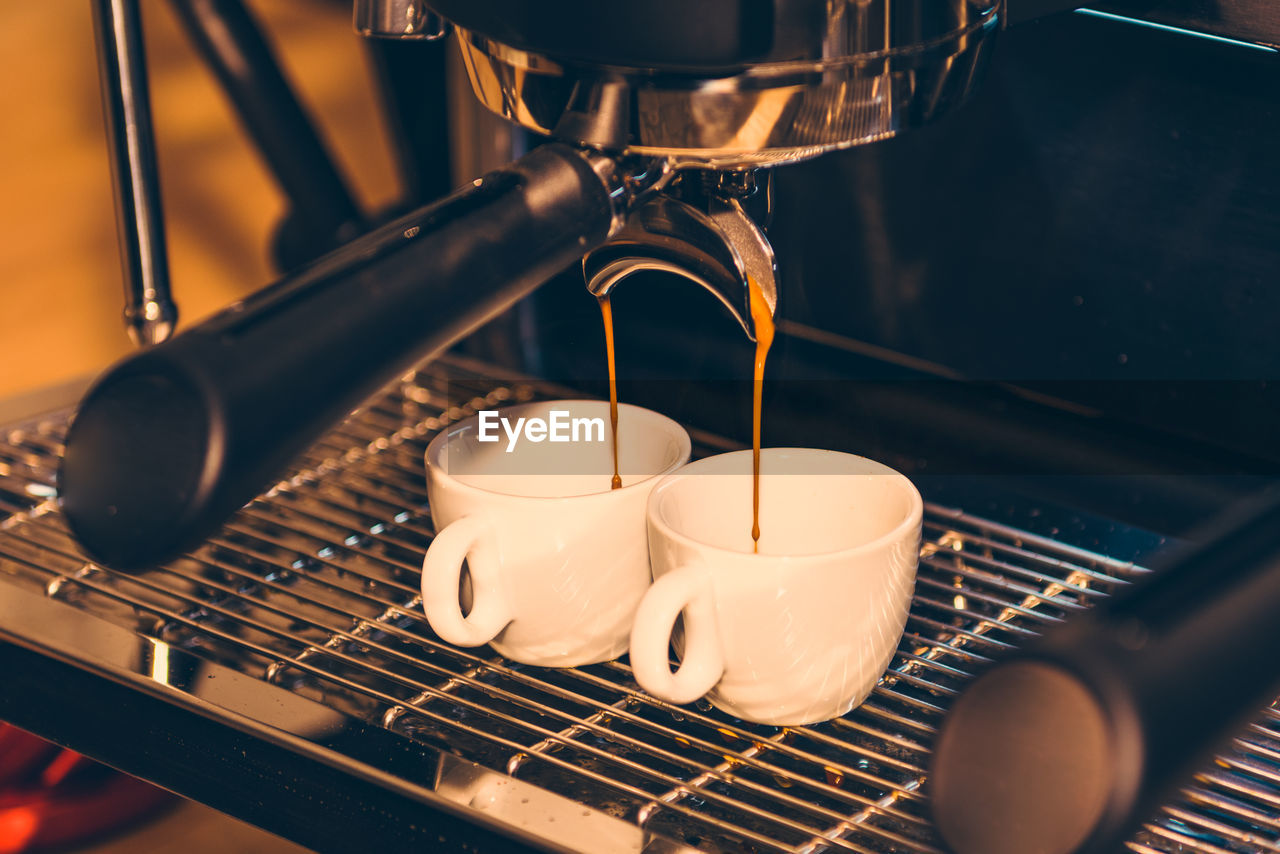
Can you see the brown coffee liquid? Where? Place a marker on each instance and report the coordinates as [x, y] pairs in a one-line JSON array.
[[606, 309], [763, 319]]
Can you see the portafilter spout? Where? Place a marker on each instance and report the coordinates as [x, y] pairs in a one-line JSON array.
[[716, 245]]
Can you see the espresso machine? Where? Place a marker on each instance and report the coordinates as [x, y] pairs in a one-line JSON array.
[[636, 113], [1039, 264]]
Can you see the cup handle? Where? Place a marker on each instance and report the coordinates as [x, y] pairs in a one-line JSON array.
[[686, 589], [442, 574]]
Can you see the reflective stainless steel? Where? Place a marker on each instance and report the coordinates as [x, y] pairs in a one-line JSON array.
[[401, 19], [149, 313], [717, 249], [875, 68], [302, 618], [878, 67], [631, 181]]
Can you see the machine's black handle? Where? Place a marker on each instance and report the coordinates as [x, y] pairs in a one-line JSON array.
[[1068, 746], [171, 441]]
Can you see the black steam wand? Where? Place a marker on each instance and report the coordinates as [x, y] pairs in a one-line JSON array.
[[174, 439]]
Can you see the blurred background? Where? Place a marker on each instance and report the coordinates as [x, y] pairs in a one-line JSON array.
[[61, 285], [60, 279]]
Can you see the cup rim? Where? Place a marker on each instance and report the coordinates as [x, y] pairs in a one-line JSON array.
[[441, 439], [914, 518]]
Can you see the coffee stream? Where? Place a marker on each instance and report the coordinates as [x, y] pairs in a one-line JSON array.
[[606, 309], [763, 319]]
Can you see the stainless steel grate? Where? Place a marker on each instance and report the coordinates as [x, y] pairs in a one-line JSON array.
[[313, 587]]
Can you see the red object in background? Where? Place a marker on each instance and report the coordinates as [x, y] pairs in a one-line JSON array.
[[50, 797]]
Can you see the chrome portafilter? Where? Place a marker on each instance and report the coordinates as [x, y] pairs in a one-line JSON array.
[[724, 84]]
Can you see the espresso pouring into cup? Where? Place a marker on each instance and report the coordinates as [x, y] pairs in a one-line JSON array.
[[801, 631]]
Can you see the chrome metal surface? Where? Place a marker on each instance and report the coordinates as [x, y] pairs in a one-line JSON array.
[[149, 312], [302, 618], [876, 68], [630, 181], [717, 249], [399, 19]]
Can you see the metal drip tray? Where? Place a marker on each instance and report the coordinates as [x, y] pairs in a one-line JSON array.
[[307, 605]]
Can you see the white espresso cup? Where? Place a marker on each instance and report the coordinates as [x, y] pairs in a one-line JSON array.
[[801, 631], [556, 560]]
